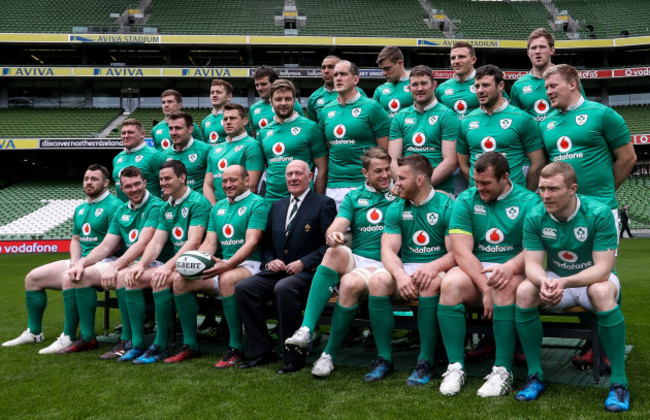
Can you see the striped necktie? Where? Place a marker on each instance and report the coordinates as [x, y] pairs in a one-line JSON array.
[[292, 214]]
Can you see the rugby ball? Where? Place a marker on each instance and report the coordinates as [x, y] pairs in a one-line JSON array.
[[192, 264]]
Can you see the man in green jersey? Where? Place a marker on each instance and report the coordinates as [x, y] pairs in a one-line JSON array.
[[137, 153], [394, 94], [290, 136], [589, 136], [91, 221], [183, 221], [237, 149], [500, 127], [172, 102], [486, 235], [363, 212], [326, 93], [428, 128], [351, 124], [416, 255], [237, 223], [578, 235], [186, 149], [261, 112], [132, 228], [211, 126], [459, 93]]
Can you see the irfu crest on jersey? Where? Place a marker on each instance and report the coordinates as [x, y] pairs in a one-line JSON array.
[[581, 233], [512, 212]]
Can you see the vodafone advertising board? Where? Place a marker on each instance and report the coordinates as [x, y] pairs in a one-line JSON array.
[[34, 246]]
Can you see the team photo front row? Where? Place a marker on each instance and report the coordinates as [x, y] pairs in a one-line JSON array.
[[497, 248]]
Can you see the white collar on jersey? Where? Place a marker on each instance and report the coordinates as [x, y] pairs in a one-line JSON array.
[[507, 193], [173, 203], [470, 77], [577, 104], [136, 148], [426, 200], [328, 90], [220, 112], [374, 190], [98, 199], [241, 196], [499, 109], [405, 78], [428, 107], [292, 118], [134, 206], [350, 101], [571, 216], [237, 138], [189, 144]]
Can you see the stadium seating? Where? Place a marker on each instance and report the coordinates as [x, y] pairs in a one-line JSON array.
[[608, 18], [635, 192], [55, 122], [636, 117], [147, 115]]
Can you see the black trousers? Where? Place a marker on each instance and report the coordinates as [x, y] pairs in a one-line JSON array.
[[288, 295]]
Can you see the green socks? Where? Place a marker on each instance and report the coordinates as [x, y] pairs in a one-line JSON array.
[[611, 329], [187, 312], [529, 329], [233, 318], [71, 314], [87, 306], [320, 292], [36, 302], [164, 312], [428, 326], [341, 320], [136, 309], [124, 314], [382, 321], [452, 327], [505, 335]]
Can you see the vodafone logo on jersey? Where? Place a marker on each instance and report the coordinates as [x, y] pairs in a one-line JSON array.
[[263, 123], [494, 236], [178, 232], [488, 144], [228, 230], [214, 137], [165, 143], [541, 106], [278, 149], [339, 131], [222, 165], [564, 144], [133, 235], [568, 256], [374, 216], [421, 238], [85, 229], [393, 105], [460, 106], [419, 139]]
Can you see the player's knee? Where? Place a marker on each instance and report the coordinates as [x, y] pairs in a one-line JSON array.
[[527, 294], [602, 295], [352, 284], [178, 283], [379, 281]]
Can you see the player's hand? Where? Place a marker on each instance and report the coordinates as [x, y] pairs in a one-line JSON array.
[[499, 275], [394, 190], [551, 291], [295, 267], [214, 271], [335, 239], [75, 272], [133, 274], [488, 308], [159, 276], [109, 278], [276, 265], [424, 276], [406, 287]]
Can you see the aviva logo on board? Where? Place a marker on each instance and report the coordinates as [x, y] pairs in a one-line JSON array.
[[450, 42], [121, 39]]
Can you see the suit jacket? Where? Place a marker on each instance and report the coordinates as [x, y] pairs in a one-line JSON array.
[[306, 238]]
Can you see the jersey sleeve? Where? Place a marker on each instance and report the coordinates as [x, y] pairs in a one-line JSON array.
[[532, 240], [396, 127], [393, 219], [153, 215], [531, 137], [461, 217], [114, 227], [614, 129], [462, 148], [213, 219], [298, 108], [254, 157], [198, 133], [201, 214], [514, 96], [346, 210], [606, 233], [450, 126], [377, 93], [163, 223], [379, 121], [438, 93], [259, 215], [311, 112], [447, 215]]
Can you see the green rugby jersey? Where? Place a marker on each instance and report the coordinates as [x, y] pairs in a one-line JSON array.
[[585, 137], [424, 132], [163, 140], [459, 96], [366, 209], [212, 128], [495, 226], [195, 158], [176, 217], [529, 94], [241, 150], [509, 131], [296, 138], [143, 157], [130, 219], [423, 228], [261, 114], [91, 221], [570, 245], [231, 220], [321, 97], [394, 96], [350, 130]]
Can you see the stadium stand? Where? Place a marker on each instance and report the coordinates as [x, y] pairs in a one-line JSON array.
[[55, 122], [147, 115], [636, 117], [608, 19], [635, 192]]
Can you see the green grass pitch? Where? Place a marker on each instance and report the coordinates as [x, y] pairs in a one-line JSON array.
[[82, 386]]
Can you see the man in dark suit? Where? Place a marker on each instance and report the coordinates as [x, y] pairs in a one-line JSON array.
[[292, 247], [625, 220]]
